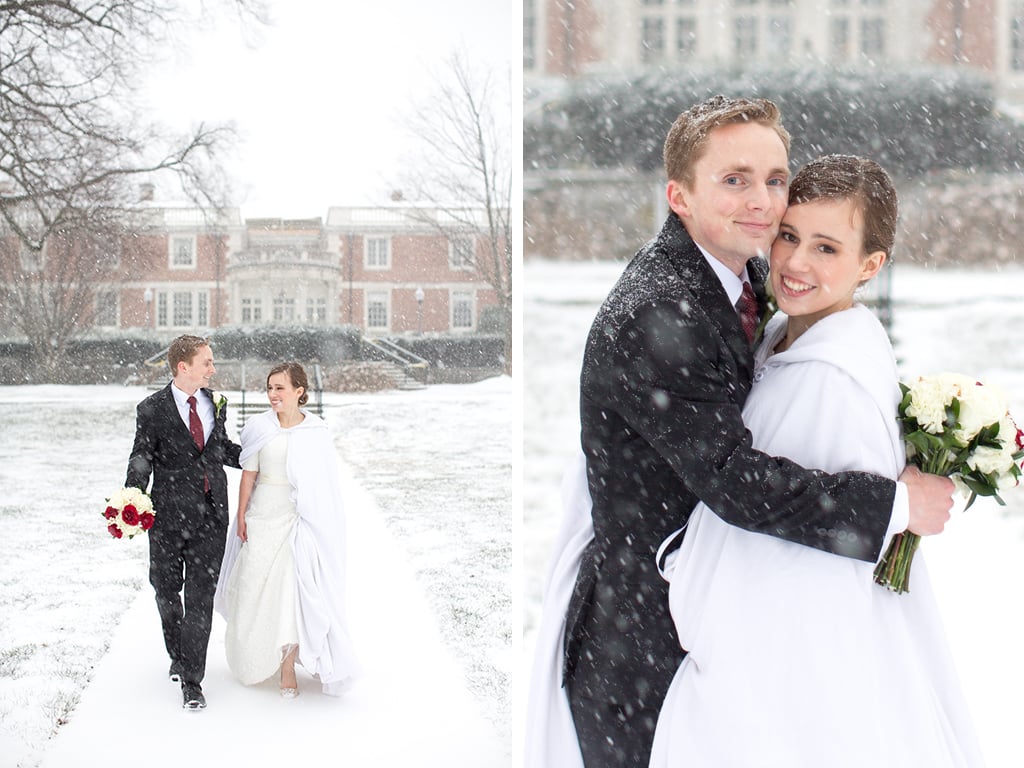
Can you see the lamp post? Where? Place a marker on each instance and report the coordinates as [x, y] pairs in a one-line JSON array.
[[419, 311], [147, 296]]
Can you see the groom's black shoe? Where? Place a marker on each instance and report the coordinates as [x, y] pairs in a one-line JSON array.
[[174, 673], [192, 697]]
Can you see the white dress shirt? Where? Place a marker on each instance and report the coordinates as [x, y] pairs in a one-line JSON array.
[[204, 407]]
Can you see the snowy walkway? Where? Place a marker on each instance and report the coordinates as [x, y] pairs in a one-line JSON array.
[[410, 708]]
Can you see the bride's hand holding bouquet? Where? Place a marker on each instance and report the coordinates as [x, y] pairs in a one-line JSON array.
[[957, 427]]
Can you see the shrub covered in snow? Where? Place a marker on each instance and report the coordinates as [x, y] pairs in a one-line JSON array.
[[911, 121]]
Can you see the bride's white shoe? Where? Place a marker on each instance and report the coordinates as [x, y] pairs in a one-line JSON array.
[[289, 693]]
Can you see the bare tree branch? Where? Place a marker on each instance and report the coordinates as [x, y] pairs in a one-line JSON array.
[[74, 143], [465, 129]]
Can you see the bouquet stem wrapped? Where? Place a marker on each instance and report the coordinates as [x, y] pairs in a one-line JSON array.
[[956, 427]]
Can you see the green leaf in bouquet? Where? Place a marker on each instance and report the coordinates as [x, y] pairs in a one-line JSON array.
[[952, 415], [981, 485], [989, 436], [924, 442], [905, 401]]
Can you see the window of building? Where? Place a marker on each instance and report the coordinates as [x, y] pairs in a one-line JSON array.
[[840, 36], [202, 308], [652, 39], [780, 34], [1017, 38], [252, 310], [284, 309], [529, 35], [745, 37], [183, 252], [377, 310], [686, 37], [378, 253], [872, 37], [316, 311], [182, 309], [462, 253], [106, 313], [462, 310]]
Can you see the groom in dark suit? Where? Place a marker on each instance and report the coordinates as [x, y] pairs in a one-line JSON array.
[[666, 370], [180, 440]]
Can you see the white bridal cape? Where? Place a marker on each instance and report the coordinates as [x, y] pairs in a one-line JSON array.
[[318, 546], [550, 733], [796, 659]]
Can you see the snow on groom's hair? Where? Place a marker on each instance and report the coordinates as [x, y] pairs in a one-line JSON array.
[[848, 177], [183, 349], [690, 132]]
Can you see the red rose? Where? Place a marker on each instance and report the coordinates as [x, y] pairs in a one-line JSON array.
[[130, 514], [110, 513], [146, 520], [114, 531]]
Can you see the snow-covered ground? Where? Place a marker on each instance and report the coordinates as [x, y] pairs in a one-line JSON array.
[[429, 483], [944, 320]]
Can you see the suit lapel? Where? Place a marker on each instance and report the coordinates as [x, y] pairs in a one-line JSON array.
[[177, 429], [708, 293]]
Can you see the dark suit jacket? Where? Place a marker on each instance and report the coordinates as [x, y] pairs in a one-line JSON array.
[[666, 371], [164, 449]]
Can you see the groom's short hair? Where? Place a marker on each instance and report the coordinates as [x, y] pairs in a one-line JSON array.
[[183, 349], [689, 134]]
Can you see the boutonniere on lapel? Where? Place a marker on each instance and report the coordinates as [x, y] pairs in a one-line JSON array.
[[219, 401], [770, 308]]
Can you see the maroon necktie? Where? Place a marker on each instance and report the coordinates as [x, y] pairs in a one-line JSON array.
[[195, 426], [747, 307]]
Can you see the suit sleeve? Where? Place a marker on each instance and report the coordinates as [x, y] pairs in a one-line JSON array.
[[232, 450], [675, 391], [140, 463]]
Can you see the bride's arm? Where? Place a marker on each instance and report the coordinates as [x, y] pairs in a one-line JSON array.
[[245, 486]]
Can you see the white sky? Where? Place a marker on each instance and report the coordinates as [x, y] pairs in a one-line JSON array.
[[318, 100]]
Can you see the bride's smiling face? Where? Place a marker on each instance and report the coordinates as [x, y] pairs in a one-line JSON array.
[[818, 259], [282, 394]]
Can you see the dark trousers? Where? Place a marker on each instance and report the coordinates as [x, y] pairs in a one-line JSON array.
[[187, 557], [612, 733], [622, 668]]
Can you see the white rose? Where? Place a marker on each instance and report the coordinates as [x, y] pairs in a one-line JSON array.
[[989, 460], [928, 400], [980, 406]]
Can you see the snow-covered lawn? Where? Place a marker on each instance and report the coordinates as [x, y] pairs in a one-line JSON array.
[[944, 320], [431, 467]]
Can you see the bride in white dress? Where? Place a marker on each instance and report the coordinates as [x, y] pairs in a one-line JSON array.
[[282, 583], [796, 659]]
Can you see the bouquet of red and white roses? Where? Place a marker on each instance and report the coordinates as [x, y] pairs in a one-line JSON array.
[[954, 426], [129, 511]]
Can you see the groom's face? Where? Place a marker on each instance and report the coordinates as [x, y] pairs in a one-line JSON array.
[[738, 193], [196, 372]]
